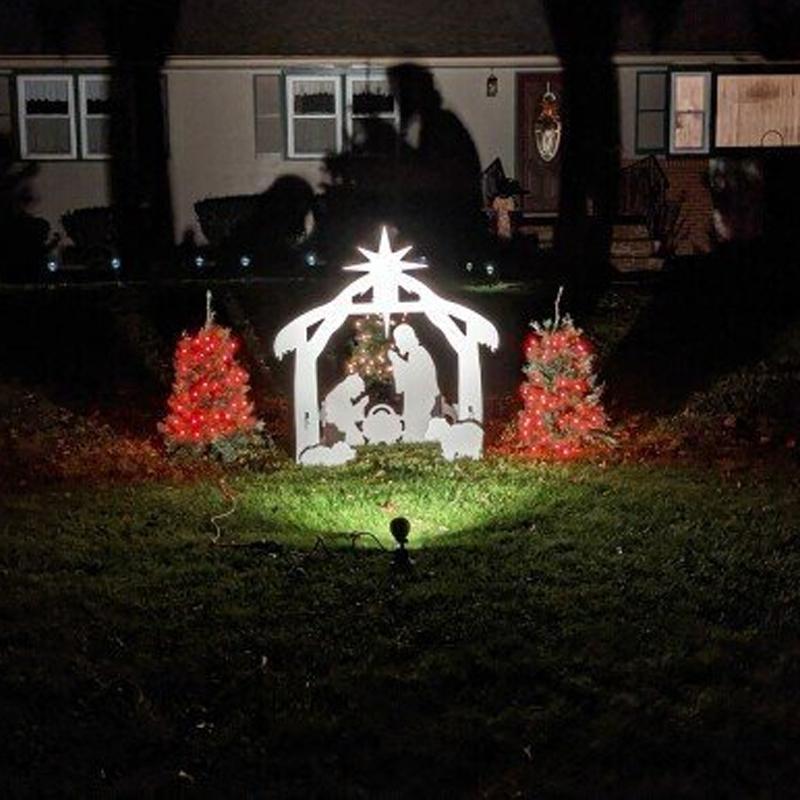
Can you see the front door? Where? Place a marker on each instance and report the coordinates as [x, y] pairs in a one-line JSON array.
[[540, 139]]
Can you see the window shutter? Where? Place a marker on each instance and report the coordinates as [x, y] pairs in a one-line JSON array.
[[269, 126], [5, 106], [651, 112]]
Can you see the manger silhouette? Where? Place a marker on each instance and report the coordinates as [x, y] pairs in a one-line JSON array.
[[386, 289]]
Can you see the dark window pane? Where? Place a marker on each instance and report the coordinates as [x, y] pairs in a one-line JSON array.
[[47, 107], [98, 133], [314, 136], [48, 136], [315, 102], [650, 132], [652, 91], [368, 103]]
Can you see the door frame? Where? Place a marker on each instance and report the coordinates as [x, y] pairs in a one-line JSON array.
[[519, 76]]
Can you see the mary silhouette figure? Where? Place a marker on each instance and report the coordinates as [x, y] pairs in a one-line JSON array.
[[415, 378]]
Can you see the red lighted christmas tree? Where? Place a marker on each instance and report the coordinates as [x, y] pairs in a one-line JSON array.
[[209, 404], [562, 416]]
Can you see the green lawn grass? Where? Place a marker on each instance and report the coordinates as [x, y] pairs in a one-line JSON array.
[[567, 631]]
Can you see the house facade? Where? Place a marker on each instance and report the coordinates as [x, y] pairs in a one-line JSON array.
[[244, 110]]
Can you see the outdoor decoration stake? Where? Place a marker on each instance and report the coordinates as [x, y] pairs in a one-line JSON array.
[[349, 415], [209, 311]]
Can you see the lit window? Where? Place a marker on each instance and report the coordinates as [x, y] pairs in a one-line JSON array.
[[95, 105], [690, 104], [757, 111], [46, 107], [314, 115]]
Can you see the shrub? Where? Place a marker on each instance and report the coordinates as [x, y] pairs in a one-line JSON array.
[[220, 217], [93, 227]]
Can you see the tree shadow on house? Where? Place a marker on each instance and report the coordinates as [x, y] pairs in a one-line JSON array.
[[138, 40], [25, 237], [716, 312], [424, 180], [268, 235]]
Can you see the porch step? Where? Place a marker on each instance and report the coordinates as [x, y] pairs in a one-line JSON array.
[[630, 230], [635, 264], [632, 249]]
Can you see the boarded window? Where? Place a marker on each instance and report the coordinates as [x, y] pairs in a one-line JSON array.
[[758, 110], [690, 105], [269, 127], [651, 112], [46, 116]]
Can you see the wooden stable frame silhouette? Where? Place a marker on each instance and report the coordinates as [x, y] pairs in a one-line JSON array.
[[378, 292]]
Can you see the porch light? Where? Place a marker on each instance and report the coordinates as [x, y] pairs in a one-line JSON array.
[[491, 85]]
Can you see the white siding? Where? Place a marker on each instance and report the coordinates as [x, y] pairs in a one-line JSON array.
[[211, 118]]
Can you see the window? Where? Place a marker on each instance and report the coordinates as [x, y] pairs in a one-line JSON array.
[[269, 129], [320, 110], [46, 116], [95, 105], [314, 115], [5, 106], [691, 95], [651, 111], [369, 97], [757, 110]]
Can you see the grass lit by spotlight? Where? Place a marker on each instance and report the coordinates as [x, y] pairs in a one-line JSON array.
[[442, 501], [563, 627]]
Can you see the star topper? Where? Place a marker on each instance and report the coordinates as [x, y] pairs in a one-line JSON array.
[[385, 266]]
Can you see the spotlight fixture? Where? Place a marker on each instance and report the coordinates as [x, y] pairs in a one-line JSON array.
[[52, 265], [245, 261], [400, 527], [199, 262], [116, 263], [311, 259]]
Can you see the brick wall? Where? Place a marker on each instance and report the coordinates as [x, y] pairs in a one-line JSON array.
[[688, 185]]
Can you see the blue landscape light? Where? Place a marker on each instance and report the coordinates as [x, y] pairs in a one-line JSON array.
[[116, 263], [199, 262], [52, 265], [245, 261], [311, 259]]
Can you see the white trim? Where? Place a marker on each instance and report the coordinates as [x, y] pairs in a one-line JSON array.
[[84, 116], [290, 81], [277, 62], [22, 117], [674, 111]]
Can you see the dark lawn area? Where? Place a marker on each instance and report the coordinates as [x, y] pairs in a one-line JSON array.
[[623, 628], [566, 632]]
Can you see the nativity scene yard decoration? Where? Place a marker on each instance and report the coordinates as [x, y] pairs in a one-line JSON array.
[[327, 432]]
